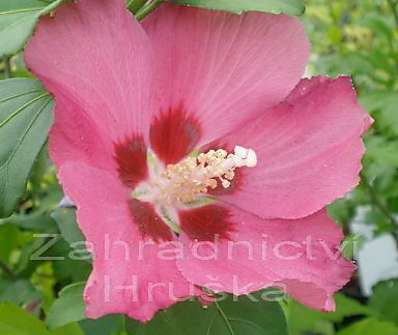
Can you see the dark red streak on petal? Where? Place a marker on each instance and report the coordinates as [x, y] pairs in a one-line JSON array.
[[207, 223], [131, 156], [149, 223], [174, 134]]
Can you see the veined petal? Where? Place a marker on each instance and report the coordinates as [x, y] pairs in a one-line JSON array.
[[128, 275], [299, 256], [309, 151], [99, 57], [75, 137], [221, 69]]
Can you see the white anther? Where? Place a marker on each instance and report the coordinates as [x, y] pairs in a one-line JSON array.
[[225, 183], [251, 160], [240, 151], [244, 157]]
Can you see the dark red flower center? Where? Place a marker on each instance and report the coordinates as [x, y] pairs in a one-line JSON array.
[[169, 189]]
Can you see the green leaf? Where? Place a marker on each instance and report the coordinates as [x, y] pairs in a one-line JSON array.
[[350, 246], [226, 317], [346, 307], [107, 325], [18, 4], [381, 152], [25, 117], [19, 292], [342, 211], [384, 300], [15, 29], [242, 316], [71, 329], [9, 240], [16, 321], [38, 221], [17, 23], [68, 308], [386, 103], [66, 221], [370, 326], [303, 319], [291, 7]]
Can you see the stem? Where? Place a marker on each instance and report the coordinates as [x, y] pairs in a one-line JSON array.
[[393, 5], [135, 5], [7, 67], [51, 6], [284, 303], [225, 318], [331, 13], [6, 270], [383, 209], [148, 8]]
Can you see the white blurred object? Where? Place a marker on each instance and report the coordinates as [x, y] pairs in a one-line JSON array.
[[377, 258], [66, 202]]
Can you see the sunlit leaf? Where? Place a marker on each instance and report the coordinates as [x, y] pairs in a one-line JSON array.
[[303, 319], [16, 321], [370, 326]]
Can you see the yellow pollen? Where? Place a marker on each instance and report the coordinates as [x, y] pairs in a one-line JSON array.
[[185, 181]]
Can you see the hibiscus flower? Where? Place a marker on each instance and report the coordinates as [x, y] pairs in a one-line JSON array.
[[195, 155]]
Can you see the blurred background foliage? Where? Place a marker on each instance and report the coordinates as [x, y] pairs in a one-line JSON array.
[[353, 37], [360, 38]]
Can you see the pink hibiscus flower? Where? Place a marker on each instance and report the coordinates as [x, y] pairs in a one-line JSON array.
[[195, 155]]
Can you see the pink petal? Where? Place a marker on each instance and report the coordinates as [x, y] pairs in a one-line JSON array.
[[99, 57], [309, 151], [128, 275], [300, 256], [75, 137], [223, 68]]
